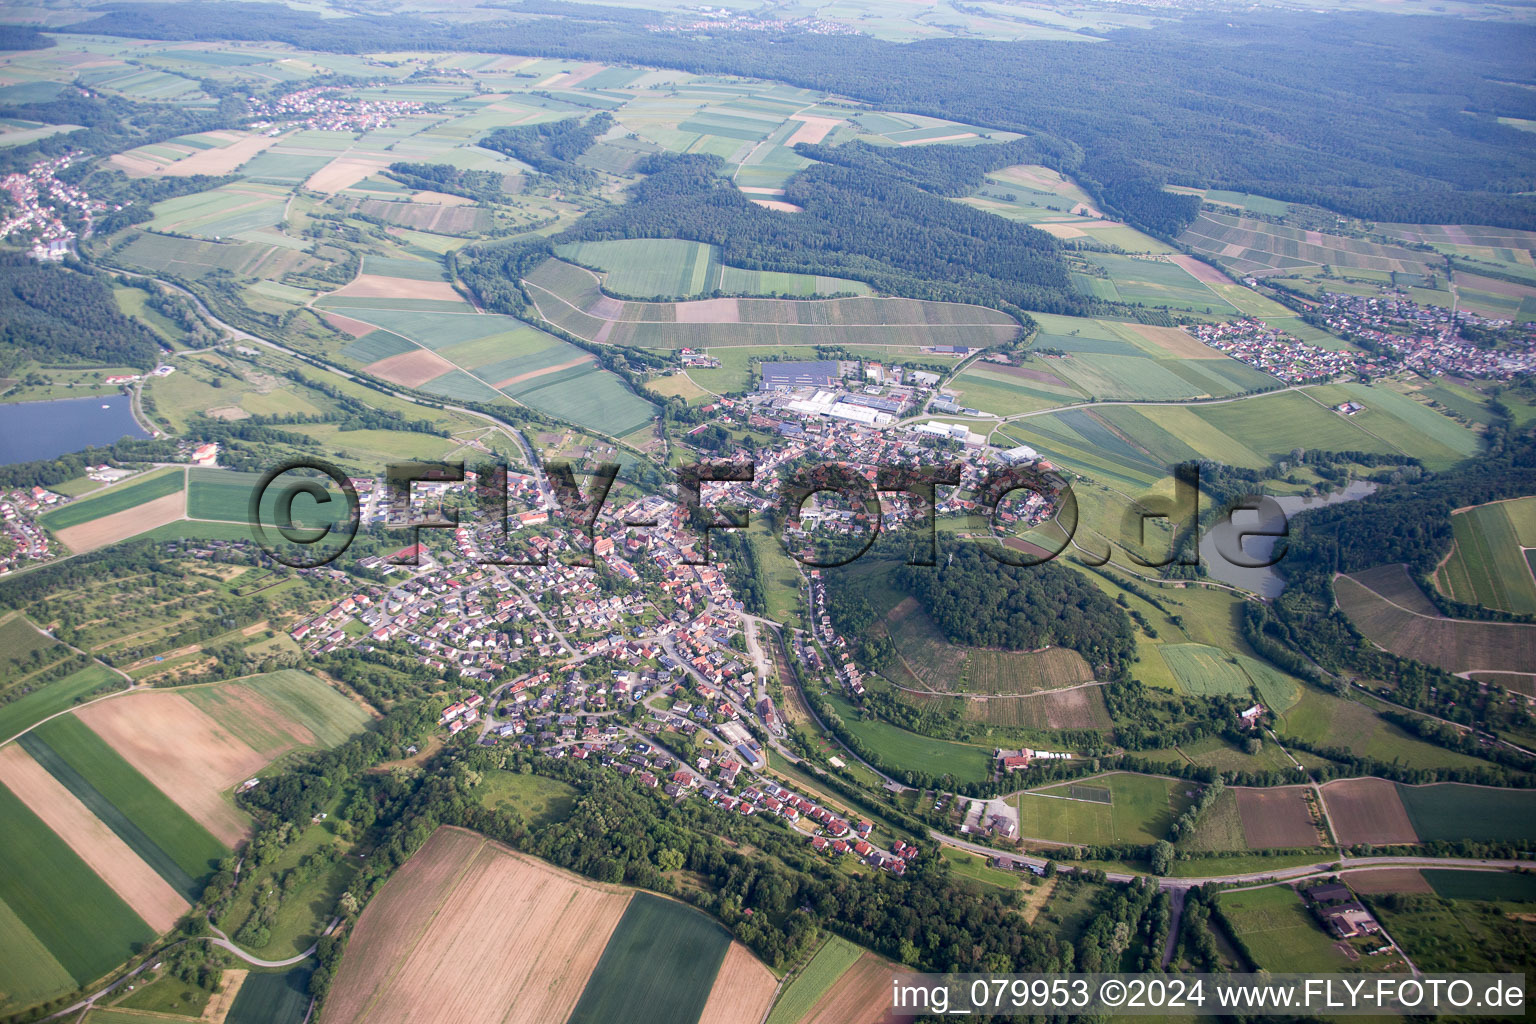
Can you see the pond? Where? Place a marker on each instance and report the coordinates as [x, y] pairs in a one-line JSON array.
[[46, 430], [1267, 581]]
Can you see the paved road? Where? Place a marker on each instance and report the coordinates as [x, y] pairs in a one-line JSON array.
[[1257, 879]]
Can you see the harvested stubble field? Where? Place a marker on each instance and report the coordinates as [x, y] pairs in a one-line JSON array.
[[1456, 645], [1276, 818], [1367, 811], [421, 947], [150, 897]]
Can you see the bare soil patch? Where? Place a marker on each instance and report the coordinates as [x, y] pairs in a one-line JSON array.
[[1071, 709], [812, 129], [1203, 272], [781, 206], [758, 190], [543, 928], [1389, 880], [430, 198], [531, 374], [743, 990], [393, 922], [709, 311], [377, 286], [348, 326], [220, 1002], [410, 369], [184, 752], [220, 161], [1176, 343], [1274, 818], [342, 173], [130, 522], [941, 138], [1062, 230], [149, 895], [1367, 811]]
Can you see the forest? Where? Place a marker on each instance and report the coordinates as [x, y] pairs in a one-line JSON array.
[[1372, 115], [858, 222], [551, 147], [56, 315], [980, 602]]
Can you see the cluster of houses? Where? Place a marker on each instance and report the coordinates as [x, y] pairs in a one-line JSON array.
[[328, 108], [1283, 356], [45, 207], [1428, 338], [21, 538]]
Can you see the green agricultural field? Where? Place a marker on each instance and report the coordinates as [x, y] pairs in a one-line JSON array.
[[1280, 932], [1205, 671], [657, 968], [1488, 564], [1454, 811], [644, 268], [1273, 425], [128, 802], [128, 796], [1140, 810], [829, 964], [126, 495], [1149, 281], [596, 400], [1501, 886], [901, 750], [59, 695], [1278, 691], [1326, 720], [29, 974], [225, 495], [538, 799], [269, 997], [302, 699], [1442, 935], [72, 912]]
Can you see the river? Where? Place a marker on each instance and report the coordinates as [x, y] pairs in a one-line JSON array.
[[46, 430], [1267, 582]]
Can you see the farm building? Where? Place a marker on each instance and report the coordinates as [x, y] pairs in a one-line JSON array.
[[820, 374]]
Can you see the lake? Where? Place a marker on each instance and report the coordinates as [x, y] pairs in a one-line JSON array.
[[1266, 581], [46, 430]]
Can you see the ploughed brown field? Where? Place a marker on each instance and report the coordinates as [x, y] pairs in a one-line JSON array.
[[1275, 818], [130, 522], [861, 996], [1388, 880], [469, 931], [1367, 811], [410, 369]]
